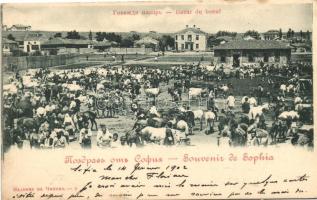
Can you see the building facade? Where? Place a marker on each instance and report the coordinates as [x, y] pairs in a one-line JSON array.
[[240, 52], [19, 27], [8, 46], [191, 39], [32, 42], [71, 46]]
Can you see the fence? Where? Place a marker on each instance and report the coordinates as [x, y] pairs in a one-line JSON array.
[[130, 50], [302, 57], [11, 63]]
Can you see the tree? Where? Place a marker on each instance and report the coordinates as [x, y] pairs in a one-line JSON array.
[[10, 37], [127, 42], [90, 35], [280, 34], [73, 35], [57, 35], [292, 33], [212, 41], [113, 37], [226, 33], [253, 34], [99, 36], [289, 33], [135, 36], [308, 35], [301, 34], [166, 41]]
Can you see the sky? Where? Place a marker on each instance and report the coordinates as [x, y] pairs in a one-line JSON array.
[[101, 17]]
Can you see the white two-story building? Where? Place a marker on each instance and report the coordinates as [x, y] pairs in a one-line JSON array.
[[191, 39]]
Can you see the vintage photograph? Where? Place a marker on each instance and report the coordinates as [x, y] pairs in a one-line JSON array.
[[103, 76]]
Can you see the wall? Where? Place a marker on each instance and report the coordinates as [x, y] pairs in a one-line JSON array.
[[26, 62], [258, 55], [30, 44]]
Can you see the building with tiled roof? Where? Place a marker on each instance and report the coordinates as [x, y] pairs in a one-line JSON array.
[[191, 39], [62, 45], [147, 42], [237, 52], [19, 27], [8, 46]]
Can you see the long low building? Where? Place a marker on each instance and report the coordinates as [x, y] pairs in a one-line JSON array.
[[63, 46], [238, 52]]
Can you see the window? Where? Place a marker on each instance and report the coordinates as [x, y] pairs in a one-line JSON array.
[[35, 47], [176, 37], [189, 37], [266, 58], [182, 37], [251, 58], [277, 56], [197, 46], [197, 37], [182, 46], [222, 59]]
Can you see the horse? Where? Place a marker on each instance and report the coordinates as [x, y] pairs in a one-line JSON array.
[[28, 123], [85, 117]]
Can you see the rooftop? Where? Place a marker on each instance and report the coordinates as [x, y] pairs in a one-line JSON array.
[[7, 41], [62, 41], [147, 40], [192, 29], [253, 44], [33, 36], [21, 26]]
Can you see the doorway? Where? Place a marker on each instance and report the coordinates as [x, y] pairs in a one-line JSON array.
[[236, 60]]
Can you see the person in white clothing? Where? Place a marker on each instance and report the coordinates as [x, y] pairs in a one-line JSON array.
[[104, 137], [230, 102], [298, 100], [41, 112], [85, 137]]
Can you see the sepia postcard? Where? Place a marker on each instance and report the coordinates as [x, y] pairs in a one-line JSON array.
[[158, 100]]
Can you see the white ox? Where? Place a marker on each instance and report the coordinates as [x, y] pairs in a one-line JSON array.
[[159, 134], [195, 92], [198, 114], [152, 91], [289, 114], [183, 126], [137, 77], [209, 119], [287, 88], [253, 102], [257, 111]]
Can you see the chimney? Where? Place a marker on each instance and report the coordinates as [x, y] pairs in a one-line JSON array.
[[186, 26], [194, 26]]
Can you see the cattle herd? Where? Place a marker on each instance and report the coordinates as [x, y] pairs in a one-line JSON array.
[[58, 108]]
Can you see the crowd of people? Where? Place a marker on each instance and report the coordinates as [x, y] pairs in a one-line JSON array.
[[52, 108]]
